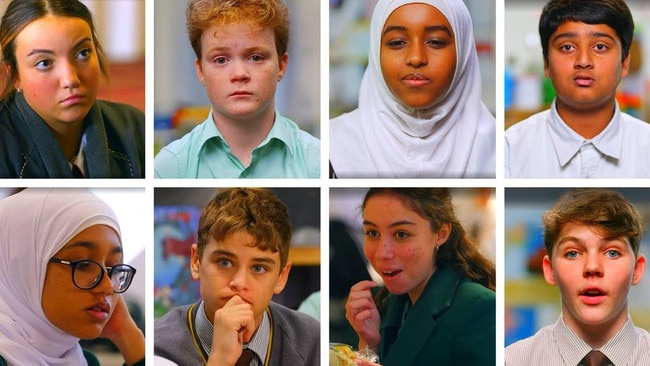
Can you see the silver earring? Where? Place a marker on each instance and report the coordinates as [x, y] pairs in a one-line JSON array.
[[438, 246], [18, 90]]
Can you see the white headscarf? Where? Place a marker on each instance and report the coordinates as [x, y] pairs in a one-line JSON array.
[[34, 225], [383, 138]]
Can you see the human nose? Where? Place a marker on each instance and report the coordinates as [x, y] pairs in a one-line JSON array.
[[239, 280], [416, 56], [583, 59], [593, 266], [69, 77], [384, 249], [105, 284], [239, 72]]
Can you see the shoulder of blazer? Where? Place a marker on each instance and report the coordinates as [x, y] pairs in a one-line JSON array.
[[91, 358]]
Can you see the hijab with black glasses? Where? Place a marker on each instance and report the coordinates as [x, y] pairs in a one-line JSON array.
[[34, 225]]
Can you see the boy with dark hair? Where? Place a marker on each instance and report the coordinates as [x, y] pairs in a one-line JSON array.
[[241, 260], [592, 239], [586, 48], [241, 55]]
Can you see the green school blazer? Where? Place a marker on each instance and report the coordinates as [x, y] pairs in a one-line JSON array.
[[452, 323]]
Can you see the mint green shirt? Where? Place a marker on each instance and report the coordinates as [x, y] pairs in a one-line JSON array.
[[287, 152]]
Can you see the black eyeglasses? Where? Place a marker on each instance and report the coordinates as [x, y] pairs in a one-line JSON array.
[[86, 274]]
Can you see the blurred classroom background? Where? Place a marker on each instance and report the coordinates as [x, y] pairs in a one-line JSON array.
[[349, 45], [180, 101], [526, 89], [530, 302], [120, 28], [129, 205], [474, 207], [176, 217]]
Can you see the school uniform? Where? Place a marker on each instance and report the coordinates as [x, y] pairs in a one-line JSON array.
[[294, 337], [544, 146], [558, 345], [286, 152], [114, 142], [452, 323]]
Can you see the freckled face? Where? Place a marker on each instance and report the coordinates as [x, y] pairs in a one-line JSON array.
[[594, 275], [234, 266], [82, 313], [418, 55], [240, 69], [400, 245], [58, 69]]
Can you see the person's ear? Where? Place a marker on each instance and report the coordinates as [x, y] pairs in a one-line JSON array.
[[199, 72], [625, 66], [547, 269], [639, 269], [284, 61], [443, 234], [195, 262], [282, 279]]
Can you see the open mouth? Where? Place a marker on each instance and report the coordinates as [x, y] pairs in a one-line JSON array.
[[391, 273], [592, 296], [592, 293]]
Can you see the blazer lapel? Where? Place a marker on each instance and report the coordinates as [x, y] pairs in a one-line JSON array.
[[45, 144], [421, 320], [96, 154]]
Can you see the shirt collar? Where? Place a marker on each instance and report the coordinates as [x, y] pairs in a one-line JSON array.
[[573, 349], [621, 346], [567, 142], [259, 342], [279, 131]]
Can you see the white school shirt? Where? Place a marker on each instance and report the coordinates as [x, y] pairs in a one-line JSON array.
[[557, 345], [543, 146]]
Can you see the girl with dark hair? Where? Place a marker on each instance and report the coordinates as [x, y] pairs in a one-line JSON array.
[[51, 123], [438, 302]]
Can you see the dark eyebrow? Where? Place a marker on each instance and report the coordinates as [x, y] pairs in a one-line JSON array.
[[433, 28], [50, 52], [222, 252], [570, 35], [225, 253], [397, 223], [92, 246], [428, 29]]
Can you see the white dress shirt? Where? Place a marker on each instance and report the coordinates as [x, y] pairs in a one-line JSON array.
[[543, 146], [557, 345]]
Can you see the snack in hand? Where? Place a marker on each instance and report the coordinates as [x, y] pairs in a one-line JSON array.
[[343, 355]]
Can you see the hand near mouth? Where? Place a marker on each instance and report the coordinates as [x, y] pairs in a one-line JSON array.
[[362, 314], [124, 333], [234, 325]]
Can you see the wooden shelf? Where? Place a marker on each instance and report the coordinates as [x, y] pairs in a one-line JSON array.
[[305, 256]]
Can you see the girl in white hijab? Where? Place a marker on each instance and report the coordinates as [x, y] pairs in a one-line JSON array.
[[43, 313], [391, 135]]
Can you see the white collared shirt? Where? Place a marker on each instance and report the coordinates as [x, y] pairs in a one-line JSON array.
[[557, 345], [543, 146]]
